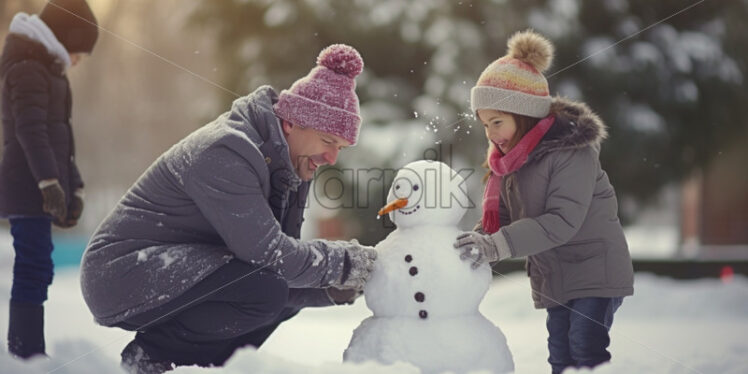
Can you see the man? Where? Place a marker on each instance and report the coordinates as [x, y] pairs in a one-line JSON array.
[[202, 255], [39, 181]]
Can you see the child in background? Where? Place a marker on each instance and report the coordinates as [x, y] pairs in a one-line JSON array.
[[39, 180], [548, 199]]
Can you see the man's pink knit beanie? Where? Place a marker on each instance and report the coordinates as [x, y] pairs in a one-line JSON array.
[[326, 99]]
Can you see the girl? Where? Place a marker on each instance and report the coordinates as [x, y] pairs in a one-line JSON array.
[[548, 199], [39, 180]]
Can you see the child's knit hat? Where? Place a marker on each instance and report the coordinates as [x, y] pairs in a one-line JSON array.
[[515, 83], [326, 99], [73, 24]]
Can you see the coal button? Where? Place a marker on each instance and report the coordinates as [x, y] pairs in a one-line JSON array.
[[413, 270], [408, 258], [420, 297], [423, 314]]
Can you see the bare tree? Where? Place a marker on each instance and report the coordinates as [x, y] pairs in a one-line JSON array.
[[143, 88]]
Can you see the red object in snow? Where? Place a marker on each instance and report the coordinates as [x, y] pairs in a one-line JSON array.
[[726, 274]]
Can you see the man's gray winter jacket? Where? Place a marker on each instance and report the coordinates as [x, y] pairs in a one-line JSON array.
[[226, 191]]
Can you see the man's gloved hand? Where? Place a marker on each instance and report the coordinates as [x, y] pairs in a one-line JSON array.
[[340, 297], [480, 248], [53, 199], [358, 263]]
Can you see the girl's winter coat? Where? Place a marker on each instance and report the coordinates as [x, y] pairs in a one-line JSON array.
[[560, 210], [36, 108], [228, 190]]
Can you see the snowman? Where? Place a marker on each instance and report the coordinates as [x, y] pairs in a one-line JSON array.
[[424, 298]]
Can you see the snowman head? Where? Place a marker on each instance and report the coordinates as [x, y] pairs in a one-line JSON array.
[[426, 193]]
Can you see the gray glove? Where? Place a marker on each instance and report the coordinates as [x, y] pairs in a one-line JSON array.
[[358, 263], [53, 200], [75, 209], [478, 248]]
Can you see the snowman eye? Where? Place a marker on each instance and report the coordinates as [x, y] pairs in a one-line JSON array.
[[397, 187], [415, 188]]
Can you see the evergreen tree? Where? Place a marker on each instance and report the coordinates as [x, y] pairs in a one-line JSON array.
[[667, 77]]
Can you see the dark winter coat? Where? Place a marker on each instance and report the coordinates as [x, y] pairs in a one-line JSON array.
[[228, 190], [38, 138], [560, 210]]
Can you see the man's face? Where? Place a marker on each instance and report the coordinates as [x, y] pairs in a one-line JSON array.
[[311, 149]]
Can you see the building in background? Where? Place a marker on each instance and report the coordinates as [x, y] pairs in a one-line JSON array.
[[714, 205]]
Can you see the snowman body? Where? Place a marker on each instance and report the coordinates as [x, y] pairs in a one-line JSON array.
[[415, 276], [425, 299]]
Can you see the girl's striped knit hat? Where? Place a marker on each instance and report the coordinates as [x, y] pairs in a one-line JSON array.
[[515, 83]]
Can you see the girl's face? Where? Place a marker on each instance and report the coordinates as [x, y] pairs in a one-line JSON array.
[[500, 128]]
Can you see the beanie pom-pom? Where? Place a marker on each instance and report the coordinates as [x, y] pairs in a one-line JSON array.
[[531, 48], [342, 59]]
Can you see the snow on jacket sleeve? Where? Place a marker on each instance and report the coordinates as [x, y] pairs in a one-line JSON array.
[[569, 194], [228, 192], [29, 91]]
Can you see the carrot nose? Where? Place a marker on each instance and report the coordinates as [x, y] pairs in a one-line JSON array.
[[395, 205]]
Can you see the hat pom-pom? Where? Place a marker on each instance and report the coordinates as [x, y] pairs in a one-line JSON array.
[[531, 48], [342, 59]]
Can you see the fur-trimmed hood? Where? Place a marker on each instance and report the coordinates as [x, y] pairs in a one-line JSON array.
[[576, 126]]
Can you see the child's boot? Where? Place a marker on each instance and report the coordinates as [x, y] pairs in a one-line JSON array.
[[26, 330]]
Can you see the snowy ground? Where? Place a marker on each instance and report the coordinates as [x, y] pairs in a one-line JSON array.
[[667, 327]]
